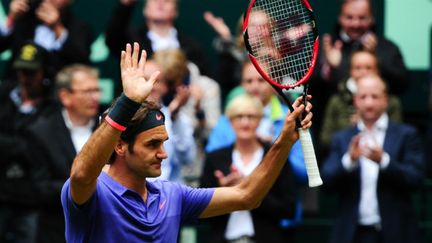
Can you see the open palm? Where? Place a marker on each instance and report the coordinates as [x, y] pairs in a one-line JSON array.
[[132, 64]]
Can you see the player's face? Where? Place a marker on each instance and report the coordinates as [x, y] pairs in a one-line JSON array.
[[245, 123], [148, 153], [356, 18], [160, 10], [255, 84], [83, 98], [362, 64], [371, 99]]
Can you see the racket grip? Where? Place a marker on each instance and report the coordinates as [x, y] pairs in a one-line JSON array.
[[310, 158]]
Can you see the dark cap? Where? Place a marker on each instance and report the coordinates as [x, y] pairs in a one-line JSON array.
[[30, 57]]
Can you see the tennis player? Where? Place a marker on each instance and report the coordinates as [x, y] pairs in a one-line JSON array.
[[119, 205]]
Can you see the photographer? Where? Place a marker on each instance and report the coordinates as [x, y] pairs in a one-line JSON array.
[[50, 24]]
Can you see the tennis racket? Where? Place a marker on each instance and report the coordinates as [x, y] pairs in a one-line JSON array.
[[281, 38]]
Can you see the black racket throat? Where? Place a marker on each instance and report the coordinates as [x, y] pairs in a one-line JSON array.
[[283, 94]]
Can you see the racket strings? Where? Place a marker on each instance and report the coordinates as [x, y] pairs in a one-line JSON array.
[[283, 44]]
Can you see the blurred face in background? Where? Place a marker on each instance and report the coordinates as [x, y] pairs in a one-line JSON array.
[[259, 26], [245, 124], [160, 88], [362, 64], [245, 113], [160, 10], [356, 18], [371, 99], [84, 96], [255, 85], [31, 82]]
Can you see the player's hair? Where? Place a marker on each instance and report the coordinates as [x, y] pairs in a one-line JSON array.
[[130, 137]]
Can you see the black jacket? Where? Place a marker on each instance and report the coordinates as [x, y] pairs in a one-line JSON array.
[[76, 48], [395, 185], [279, 203], [18, 172], [119, 33], [53, 150]]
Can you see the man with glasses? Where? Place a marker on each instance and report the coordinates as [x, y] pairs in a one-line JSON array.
[[56, 138]]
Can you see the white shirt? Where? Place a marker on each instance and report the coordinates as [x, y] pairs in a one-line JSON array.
[[164, 42], [240, 222], [45, 37], [369, 170], [79, 134]]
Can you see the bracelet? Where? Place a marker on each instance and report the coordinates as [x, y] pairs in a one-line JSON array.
[[122, 112]]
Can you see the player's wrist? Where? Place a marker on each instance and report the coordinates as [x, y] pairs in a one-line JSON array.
[[122, 112]]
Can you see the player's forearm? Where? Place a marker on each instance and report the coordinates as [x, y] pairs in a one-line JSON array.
[[90, 160], [258, 184]]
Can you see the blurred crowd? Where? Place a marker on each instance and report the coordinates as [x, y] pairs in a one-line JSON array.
[[220, 119]]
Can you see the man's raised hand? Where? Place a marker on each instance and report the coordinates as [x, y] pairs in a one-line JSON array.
[[132, 64]]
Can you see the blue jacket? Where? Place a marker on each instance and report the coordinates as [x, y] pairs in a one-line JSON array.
[[396, 184]]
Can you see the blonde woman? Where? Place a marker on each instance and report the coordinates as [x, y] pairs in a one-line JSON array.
[[227, 167]]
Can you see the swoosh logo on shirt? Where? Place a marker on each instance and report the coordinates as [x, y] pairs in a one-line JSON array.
[[162, 205]]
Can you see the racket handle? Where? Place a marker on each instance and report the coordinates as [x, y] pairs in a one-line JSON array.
[[310, 158]]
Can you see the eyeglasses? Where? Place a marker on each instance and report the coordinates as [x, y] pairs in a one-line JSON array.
[[95, 91], [248, 117]]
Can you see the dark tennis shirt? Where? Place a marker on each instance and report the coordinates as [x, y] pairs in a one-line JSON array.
[[117, 214]]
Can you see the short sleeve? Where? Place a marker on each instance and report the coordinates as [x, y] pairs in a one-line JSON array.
[[195, 200], [77, 217]]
